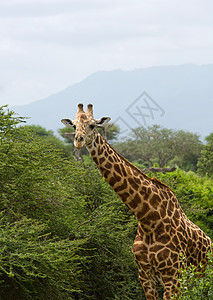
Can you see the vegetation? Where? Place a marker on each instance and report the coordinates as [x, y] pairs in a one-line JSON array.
[[162, 146], [47, 136], [64, 232], [195, 284], [60, 225], [205, 163]]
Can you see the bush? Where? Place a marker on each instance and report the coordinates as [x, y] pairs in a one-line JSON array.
[[38, 260], [196, 285], [33, 265], [205, 163], [64, 233]]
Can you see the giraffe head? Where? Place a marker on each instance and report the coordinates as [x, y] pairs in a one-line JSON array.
[[84, 125]]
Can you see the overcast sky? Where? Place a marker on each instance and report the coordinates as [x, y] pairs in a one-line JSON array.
[[47, 45]]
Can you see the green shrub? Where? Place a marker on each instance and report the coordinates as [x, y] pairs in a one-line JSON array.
[[196, 285], [33, 265], [64, 233]]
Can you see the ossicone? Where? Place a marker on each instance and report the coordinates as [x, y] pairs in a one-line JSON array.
[[89, 111]]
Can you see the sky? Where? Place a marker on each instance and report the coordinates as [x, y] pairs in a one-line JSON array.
[[48, 45]]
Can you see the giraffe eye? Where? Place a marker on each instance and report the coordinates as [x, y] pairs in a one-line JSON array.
[[92, 126]]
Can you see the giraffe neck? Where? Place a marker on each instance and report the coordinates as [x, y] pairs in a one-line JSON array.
[[147, 198]]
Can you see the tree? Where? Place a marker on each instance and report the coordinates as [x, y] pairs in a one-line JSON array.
[[162, 146], [67, 133], [47, 136], [37, 258], [209, 138], [205, 163], [64, 234]]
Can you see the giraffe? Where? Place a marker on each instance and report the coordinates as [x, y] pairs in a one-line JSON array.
[[164, 231]]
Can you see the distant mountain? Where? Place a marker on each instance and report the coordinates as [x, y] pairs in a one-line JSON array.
[[178, 97]]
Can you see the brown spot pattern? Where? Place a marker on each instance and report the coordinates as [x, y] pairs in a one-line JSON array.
[[135, 201], [133, 184], [101, 160], [121, 187]]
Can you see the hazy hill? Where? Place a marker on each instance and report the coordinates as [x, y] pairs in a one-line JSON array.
[[179, 97]]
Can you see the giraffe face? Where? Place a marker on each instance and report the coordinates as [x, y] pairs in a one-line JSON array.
[[84, 125]]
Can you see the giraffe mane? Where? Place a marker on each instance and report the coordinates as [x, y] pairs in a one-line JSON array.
[[155, 180]]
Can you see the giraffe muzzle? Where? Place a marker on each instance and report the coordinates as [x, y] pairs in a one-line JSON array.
[[79, 141]]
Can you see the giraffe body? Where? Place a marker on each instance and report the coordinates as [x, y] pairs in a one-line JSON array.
[[164, 231]]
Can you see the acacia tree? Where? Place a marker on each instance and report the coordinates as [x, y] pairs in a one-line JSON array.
[[37, 260], [48, 136], [163, 146], [64, 234], [205, 163]]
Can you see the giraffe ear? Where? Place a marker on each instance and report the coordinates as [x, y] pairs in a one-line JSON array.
[[102, 121], [67, 122]]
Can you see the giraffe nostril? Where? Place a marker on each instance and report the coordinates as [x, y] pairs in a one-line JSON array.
[[80, 139]]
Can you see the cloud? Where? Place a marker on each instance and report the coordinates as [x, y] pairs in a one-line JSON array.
[[86, 23], [48, 44], [38, 8]]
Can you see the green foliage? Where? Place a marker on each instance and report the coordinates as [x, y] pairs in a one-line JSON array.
[[67, 133], [205, 163], [37, 256], [209, 138], [194, 284], [8, 120], [163, 146], [64, 233], [32, 264], [48, 137]]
